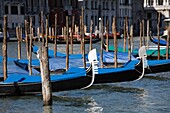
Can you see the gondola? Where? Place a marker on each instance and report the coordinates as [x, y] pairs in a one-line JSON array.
[[75, 41], [152, 51], [133, 70], [162, 41], [22, 84]]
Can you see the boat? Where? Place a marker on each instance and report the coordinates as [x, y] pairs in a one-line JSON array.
[[111, 35], [133, 70], [108, 57], [151, 51], [162, 42], [75, 40], [22, 84], [157, 66]]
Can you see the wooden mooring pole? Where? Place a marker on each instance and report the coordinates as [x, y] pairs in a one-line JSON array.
[[26, 38], [147, 44], [115, 42], [101, 46], [46, 31], [4, 48], [124, 35], [167, 43], [107, 35], [91, 25], [158, 24], [141, 34], [18, 34], [55, 37], [45, 76], [143, 26], [83, 40]]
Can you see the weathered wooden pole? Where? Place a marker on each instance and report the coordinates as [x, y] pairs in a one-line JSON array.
[[115, 42], [141, 34], [107, 35], [158, 36], [101, 46], [124, 34], [143, 24], [147, 34], [38, 33], [131, 40], [46, 41], [91, 24], [4, 48], [55, 36], [30, 48], [72, 31], [26, 38], [81, 46], [19, 45], [67, 44], [167, 43], [42, 28], [129, 43], [83, 40], [45, 76]]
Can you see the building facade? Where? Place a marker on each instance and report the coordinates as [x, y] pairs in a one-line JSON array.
[[63, 8], [152, 8], [106, 10], [19, 10]]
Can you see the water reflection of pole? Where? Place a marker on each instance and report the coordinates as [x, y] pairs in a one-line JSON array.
[[47, 109]]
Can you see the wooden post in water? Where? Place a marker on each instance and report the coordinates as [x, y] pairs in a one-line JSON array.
[[38, 33], [72, 31], [26, 38], [83, 43], [67, 44], [107, 35], [91, 24], [81, 34], [30, 48], [55, 37], [46, 42], [45, 76], [129, 43], [141, 34], [4, 48], [124, 35], [158, 36], [101, 46], [19, 42], [167, 43], [42, 28], [143, 24], [115, 42], [131, 40], [147, 34]]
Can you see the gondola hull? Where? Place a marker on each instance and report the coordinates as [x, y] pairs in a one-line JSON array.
[[19, 88]]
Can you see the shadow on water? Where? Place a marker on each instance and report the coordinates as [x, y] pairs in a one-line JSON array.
[[113, 88], [164, 76]]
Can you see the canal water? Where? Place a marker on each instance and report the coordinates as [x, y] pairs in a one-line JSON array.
[[151, 94]]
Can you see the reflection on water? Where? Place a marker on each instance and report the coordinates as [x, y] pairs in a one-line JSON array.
[[47, 109], [94, 107]]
